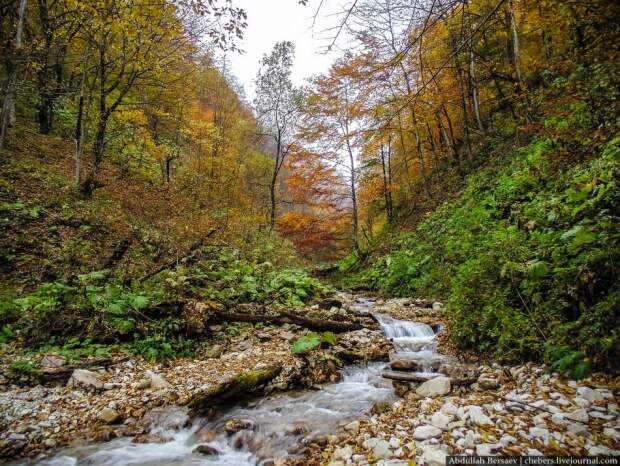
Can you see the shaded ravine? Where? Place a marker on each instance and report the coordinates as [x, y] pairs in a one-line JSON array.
[[279, 425]]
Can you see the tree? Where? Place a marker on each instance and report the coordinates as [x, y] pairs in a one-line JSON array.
[[277, 108]]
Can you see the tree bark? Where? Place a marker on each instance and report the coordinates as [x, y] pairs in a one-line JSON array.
[[8, 105]]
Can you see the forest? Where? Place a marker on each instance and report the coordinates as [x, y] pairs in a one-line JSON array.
[[436, 213]]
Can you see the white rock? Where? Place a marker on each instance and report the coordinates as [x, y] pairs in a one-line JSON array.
[[353, 427], [381, 450], [51, 360], [84, 378], [434, 387], [390, 462], [533, 452], [370, 443], [449, 408], [343, 453], [441, 420], [434, 456], [577, 429], [601, 450], [581, 402], [590, 394], [507, 440], [470, 440], [478, 417], [539, 432], [578, 415], [157, 381], [426, 432], [394, 442], [437, 306], [486, 449], [559, 418], [611, 433]]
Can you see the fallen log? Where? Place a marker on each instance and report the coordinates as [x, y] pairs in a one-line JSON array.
[[410, 376], [287, 317], [242, 383], [62, 373]]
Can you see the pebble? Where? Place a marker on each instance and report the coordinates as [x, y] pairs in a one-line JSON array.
[[426, 432]]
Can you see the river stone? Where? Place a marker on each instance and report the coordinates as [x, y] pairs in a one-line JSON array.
[[214, 351], [577, 429], [235, 425], [353, 427], [433, 456], [578, 415], [590, 394], [426, 432], [157, 381], [206, 450], [84, 378], [51, 361], [434, 387], [441, 420], [109, 415], [343, 453], [142, 384], [381, 450], [539, 432], [488, 383], [478, 417]]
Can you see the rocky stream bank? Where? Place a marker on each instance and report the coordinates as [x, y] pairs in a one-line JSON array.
[[309, 409]]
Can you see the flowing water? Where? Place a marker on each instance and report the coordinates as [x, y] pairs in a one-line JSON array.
[[281, 421]]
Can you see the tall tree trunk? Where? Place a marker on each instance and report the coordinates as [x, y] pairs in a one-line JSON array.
[[273, 184], [8, 105], [516, 61], [79, 131], [461, 83], [474, 85], [386, 185]]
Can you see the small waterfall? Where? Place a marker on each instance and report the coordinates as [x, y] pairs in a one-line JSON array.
[[412, 341]]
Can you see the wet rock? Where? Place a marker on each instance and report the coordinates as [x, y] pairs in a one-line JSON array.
[[328, 303], [235, 425], [426, 432], [401, 388], [109, 415], [158, 381], [380, 407], [207, 450], [434, 387], [84, 378]]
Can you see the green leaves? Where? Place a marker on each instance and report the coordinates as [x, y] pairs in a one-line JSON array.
[[306, 343], [312, 340]]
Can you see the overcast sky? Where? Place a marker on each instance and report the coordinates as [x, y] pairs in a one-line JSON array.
[[270, 21]]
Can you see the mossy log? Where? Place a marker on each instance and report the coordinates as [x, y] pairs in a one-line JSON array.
[[242, 383]]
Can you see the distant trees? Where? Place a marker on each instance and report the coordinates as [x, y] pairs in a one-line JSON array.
[[277, 107]]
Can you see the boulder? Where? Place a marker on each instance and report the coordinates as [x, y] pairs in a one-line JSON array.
[[207, 450], [86, 379], [434, 387], [235, 425], [441, 420], [353, 427], [109, 415]]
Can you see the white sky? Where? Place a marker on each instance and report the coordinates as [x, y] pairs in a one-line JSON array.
[[270, 21]]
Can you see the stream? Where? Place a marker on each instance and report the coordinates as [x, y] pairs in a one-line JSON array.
[[280, 422]]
